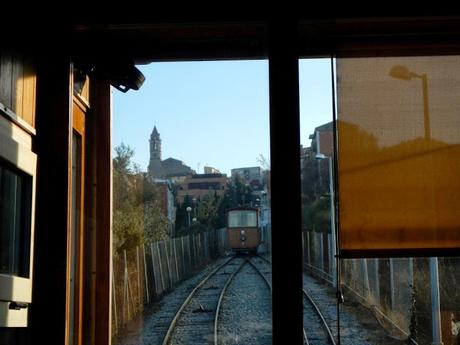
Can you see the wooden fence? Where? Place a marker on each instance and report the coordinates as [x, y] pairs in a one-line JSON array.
[[143, 274]]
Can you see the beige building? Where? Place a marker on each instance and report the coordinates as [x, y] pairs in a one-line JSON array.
[[211, 170], [199, 185]]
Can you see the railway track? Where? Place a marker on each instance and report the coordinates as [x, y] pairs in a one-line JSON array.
[[198, 319], [193, 322], [314, 335], [246, 314], [264, 272], [313, 317]]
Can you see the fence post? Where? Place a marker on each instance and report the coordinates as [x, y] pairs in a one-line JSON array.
[[194, 251], [411, 272], [205, 246], [303, 247], [392, 285], [366, 280], [168, 264], [146, 277], [321, 251], [189, 252], [175, 260], [160, 267], [221, 243], [354, 273], [197, 250], [138, 276], [200, 248], [114, 295], [125, 288], [156, 280], [377, 281], [308, 248], [183, 257]]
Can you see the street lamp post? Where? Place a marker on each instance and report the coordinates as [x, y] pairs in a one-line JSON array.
[[403, 73], [333, 238], [189, 209]]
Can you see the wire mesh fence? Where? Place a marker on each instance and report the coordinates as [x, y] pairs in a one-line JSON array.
[[383, 285], [143, 274]]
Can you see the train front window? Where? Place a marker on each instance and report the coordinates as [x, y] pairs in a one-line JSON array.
[[242, 219]]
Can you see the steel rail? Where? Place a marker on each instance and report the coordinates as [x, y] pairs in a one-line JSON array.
[[261, 274], [221, 298], [305, 338], [172, 325], [318, 312], [264, 259]]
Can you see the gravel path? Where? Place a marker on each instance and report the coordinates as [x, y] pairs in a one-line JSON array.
[[196, 322], [151, 327], [357, 324], [246, 311]]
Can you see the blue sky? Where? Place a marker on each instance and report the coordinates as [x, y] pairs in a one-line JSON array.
[[213, 113]]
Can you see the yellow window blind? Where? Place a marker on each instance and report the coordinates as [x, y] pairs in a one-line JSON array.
[[399, 153]]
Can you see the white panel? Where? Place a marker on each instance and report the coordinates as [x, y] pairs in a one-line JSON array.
[[12, 318]]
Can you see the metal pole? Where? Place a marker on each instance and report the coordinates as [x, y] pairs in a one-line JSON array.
[[331, 193], [426, 110], [435, 302], [434, 275], [392, 285]]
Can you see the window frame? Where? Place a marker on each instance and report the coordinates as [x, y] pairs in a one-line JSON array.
[[15, 149]]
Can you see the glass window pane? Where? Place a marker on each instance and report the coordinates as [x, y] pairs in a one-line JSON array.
[[399, 152], [398, 165], [401, 300], [242, 219], [191, 152], [318, 217], [15, 209]]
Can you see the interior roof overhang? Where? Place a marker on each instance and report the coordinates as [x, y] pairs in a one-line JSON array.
[[181, 39]]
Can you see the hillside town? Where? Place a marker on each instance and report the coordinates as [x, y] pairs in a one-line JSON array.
[[176, 200]]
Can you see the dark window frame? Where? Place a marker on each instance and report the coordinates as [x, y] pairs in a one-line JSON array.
[[316, 37]]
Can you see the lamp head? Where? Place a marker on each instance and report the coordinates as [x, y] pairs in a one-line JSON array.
[[401, 72], [320, 156], [120, 73]]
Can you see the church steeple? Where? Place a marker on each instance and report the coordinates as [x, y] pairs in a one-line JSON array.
[[155, 145]]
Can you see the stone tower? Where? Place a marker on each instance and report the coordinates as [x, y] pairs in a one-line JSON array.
[[155, 144], [155, 166]]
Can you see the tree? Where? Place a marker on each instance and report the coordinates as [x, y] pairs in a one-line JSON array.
[[206, 211], [181, 223], [316, 215], [122, 160], [264, 162], [137, 215]]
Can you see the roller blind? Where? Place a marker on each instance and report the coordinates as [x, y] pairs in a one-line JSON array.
[[398, 121]]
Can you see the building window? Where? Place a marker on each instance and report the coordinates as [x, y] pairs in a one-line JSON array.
[[15, 209]]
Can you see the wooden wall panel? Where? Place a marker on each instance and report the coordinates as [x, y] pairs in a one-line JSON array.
[[18, 85], [29, 91], [6, 74]]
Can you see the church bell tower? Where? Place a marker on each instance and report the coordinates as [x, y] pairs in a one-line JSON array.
[[155, 169], [155, 144]]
